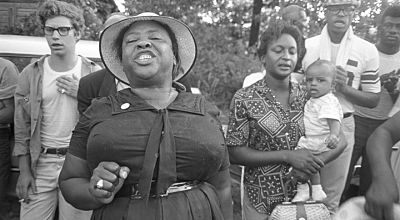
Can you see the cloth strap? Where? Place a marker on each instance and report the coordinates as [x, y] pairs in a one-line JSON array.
[[160, 149], [344, 48]]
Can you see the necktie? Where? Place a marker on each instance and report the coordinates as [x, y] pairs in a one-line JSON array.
[[160, 147]]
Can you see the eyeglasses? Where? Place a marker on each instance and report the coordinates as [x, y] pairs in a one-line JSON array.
[[337, 10], [63, 31]]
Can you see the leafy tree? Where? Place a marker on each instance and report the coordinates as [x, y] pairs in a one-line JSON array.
[[222, 31]]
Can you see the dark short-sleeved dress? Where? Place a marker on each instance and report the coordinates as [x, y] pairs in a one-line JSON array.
[[117, 128]]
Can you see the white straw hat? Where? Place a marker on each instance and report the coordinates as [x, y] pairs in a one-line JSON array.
[[111, 41]]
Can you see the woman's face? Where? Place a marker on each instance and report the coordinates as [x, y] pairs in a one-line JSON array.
[[281, 57], [147, 54]]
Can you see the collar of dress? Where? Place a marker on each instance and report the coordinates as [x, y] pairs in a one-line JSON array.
[[127, 101]]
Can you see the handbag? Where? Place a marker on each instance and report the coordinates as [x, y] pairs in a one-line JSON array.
[[308, 210]]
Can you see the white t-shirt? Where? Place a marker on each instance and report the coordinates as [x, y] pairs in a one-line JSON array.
[[60, 111], [316, 111], [389, 64], [253, 78]]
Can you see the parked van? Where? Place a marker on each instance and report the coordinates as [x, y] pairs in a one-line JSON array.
[[22, 49]]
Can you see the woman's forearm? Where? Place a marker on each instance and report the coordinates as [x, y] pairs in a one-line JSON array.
[[225, 197], [222, 183], [245, 156]]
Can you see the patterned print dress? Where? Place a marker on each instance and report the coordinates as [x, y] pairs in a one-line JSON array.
[[258, 121]]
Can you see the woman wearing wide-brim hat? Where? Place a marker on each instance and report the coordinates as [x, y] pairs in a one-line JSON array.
[[152, 151]]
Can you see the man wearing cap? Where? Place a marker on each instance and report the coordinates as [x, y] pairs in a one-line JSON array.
[[357, 82], [368, 119]]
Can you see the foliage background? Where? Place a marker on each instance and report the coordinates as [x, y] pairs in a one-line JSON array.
[[222, 30]]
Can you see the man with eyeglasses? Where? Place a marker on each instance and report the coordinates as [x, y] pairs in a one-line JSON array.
[[368, 119], [357, 82], [46, 113]]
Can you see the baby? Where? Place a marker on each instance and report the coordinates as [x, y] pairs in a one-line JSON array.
[[322, 117]]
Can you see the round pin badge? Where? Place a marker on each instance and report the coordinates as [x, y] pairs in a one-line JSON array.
[[125, 106]]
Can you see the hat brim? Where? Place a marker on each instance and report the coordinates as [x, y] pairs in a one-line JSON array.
[[110, 51]]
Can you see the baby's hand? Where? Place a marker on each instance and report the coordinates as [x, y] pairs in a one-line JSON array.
[[332, 141]]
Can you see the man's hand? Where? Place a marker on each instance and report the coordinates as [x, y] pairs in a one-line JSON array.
[[341, 79], [68, 85], [25, 183], [380, 198], [390, 84]]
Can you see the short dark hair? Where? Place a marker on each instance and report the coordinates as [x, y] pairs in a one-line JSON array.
[[53, 8], [274, 31], [391, 11]]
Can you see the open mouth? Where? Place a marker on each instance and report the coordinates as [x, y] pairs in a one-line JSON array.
[[392, 37], [144, 58], [313, 91], [339, 23], [56, 45], [284, 66]]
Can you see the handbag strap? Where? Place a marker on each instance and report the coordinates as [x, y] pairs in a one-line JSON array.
[[285, 188], [301, 211]]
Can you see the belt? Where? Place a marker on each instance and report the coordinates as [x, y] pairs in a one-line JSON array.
[[50, 150], [348, 114], [131, 190]]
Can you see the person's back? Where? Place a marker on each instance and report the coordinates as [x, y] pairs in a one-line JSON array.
[[100, 83], [8, 81], [97, 84]]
